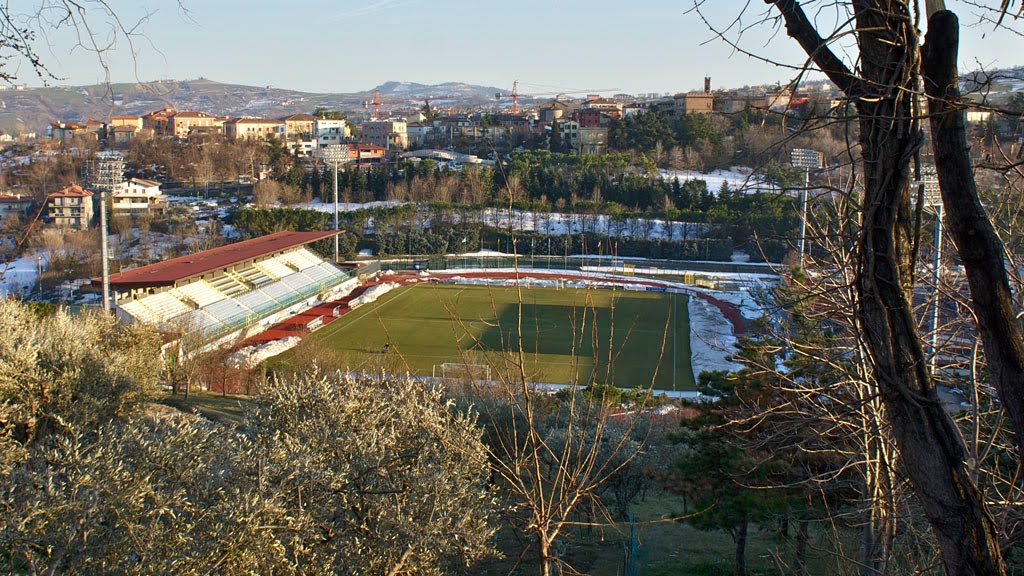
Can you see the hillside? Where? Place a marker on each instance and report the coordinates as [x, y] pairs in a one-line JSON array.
[[34, 109]]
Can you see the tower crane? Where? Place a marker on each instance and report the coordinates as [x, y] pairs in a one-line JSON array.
[[515, 93], [375, 102]]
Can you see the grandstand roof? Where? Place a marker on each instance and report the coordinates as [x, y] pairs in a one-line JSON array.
[[168, 272]]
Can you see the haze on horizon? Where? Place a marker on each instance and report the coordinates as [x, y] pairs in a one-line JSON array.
[[550, 47]]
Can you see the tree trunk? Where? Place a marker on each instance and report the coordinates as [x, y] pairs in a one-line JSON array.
[[929, 442], [545, 555], [740, 556], [976, 240]]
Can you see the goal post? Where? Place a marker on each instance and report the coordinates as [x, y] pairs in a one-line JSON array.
[[462, 371]]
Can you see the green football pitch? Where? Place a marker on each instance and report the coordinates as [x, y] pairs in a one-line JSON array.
[[619, 337]]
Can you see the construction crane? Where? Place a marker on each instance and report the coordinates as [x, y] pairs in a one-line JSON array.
[[376, 104], [515, 96], [515, 93]]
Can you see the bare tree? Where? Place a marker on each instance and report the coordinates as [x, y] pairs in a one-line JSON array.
[[884, 89], [95, 25]]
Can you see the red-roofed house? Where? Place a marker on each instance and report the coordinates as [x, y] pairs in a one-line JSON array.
[[70, 208]]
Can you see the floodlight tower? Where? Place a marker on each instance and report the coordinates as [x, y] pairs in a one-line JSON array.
[[335, 154], [105, 173], [808, 160]]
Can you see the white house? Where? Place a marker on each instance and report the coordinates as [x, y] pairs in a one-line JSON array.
[[329, 131], [138, 195]]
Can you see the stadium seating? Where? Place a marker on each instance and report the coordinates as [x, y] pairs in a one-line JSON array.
[[238, 298], [140, 312], [229, 286], [164, 305], [199, 321], [229, 312], [318, 274], [300, 259], [201, 292], [254, 276], [275, 268]]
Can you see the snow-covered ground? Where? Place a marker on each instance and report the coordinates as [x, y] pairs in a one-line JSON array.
[[711, 338], [346, 206], [19, 276], [561, 223], [738, 179]]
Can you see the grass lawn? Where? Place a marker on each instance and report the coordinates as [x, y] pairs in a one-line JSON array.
[[639, 336]]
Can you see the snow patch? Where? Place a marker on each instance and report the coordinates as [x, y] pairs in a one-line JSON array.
[[251, 356], [372, 294], [711, 338]]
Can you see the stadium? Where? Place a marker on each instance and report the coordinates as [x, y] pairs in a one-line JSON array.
[[273, 299]]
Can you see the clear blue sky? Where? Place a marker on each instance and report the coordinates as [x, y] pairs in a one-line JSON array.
[[549, 46]]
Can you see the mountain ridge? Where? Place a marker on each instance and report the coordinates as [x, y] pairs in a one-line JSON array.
[[33, 109]]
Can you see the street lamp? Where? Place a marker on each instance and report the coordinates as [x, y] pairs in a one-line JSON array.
[[808, 160], [932, 202], [335, 154]]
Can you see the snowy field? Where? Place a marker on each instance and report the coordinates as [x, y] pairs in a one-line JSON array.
[[562, 223], [19, 276], [739, 179], [346, 206]]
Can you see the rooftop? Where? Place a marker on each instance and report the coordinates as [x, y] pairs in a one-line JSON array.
[[171, 271], [72, 192]]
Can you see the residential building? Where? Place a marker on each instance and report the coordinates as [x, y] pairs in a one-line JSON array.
[[70, 208], [570, 132], [694, 103], [138, 195], [591, 117], [731, 103], [307, 147], [554, 110], [330, 131], [180, 124], [299, 126], [133, 121], [387, 133], [157, 121], [632, 109], [416, 117], [592, 140], [608, 106], [366, 154], [253, 129], [14, 204], [417, 133], [67, 131]]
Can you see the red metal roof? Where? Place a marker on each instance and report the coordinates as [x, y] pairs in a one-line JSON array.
[[168, 272]]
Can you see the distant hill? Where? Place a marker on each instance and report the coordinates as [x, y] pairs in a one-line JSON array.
[[36, 108], [446, 90]]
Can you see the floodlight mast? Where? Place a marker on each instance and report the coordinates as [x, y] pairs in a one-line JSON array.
[[808, 160], [105, 173], [336, 154]]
